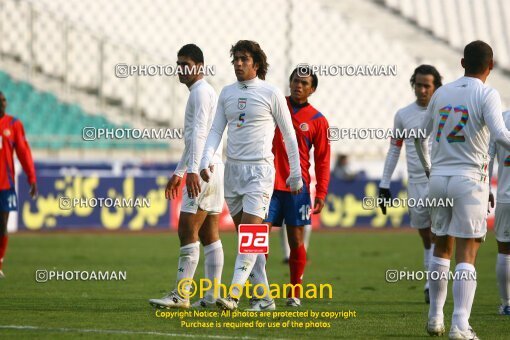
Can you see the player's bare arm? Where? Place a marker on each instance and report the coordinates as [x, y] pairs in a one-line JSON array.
[[193, 184], [172, 187], [33, 191]]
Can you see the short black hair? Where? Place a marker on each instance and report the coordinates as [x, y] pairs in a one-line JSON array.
[[477, 57], [305, 70], [193, 52], [425, 70], [258, 55]]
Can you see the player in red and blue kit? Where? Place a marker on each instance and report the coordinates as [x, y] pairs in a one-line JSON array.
[[12, 138], [311, 131]]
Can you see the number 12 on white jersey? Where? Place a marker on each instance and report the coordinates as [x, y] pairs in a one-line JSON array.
[[452, 136]]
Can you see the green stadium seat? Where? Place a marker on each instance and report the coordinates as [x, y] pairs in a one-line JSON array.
[[4, 78], [44, 115]]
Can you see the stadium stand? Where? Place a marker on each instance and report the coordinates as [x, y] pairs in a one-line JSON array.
[[79, 44], [487, 20], [52, 123]]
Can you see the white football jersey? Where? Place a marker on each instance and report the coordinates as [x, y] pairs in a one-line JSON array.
[[459, 117], [252, 109], [198, 118], [503, 155], [406, 120]]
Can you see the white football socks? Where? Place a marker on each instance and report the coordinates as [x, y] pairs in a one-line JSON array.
[[503, 278], [306, 236], [213, 265], [284, 241], [258, 278], [427, 257], [464, 287], [188, 261], [243, 267], [438, 288]]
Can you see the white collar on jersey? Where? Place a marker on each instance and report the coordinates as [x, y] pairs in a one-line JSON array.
[[472, 79], [418, 106], [246, 83], [196, 84]]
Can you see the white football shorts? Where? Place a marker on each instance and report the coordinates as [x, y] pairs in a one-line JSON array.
[[420, 215], [249, 186], [502, 224], [467, 218], [210, 198]]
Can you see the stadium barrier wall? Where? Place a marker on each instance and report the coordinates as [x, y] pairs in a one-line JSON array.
[[343, 210], [46, 212]]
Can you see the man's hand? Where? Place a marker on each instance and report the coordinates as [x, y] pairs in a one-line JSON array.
[[491, 202], [205, 175], [318, 205], [172, 187], [295, 184], [193, 185], [385, 194], [33, 190]]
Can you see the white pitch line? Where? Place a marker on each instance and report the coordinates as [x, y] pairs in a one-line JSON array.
[[115, 331]]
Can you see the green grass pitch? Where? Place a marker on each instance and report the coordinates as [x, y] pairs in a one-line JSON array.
[[353, 263]]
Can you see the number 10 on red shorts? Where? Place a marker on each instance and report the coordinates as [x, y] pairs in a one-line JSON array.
[[253, 238]]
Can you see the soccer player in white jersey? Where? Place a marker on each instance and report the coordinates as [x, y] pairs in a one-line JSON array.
[[201, 202], [425, 80], [460, 116], [251, 108], [502, 226]]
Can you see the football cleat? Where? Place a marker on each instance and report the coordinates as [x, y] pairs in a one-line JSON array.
[[203, 304], [456, 333], [262, 305], [253, 301], [504, 310], [171, 300], [435, 328], [293, 302], [2, 275], [427, 296], [228, 303]]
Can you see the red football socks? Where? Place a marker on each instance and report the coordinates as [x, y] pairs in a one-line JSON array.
[[297, 263], [3, 248]]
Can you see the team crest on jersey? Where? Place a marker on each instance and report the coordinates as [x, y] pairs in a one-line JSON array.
[[304, 127], [241, 103], [7, 132]]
